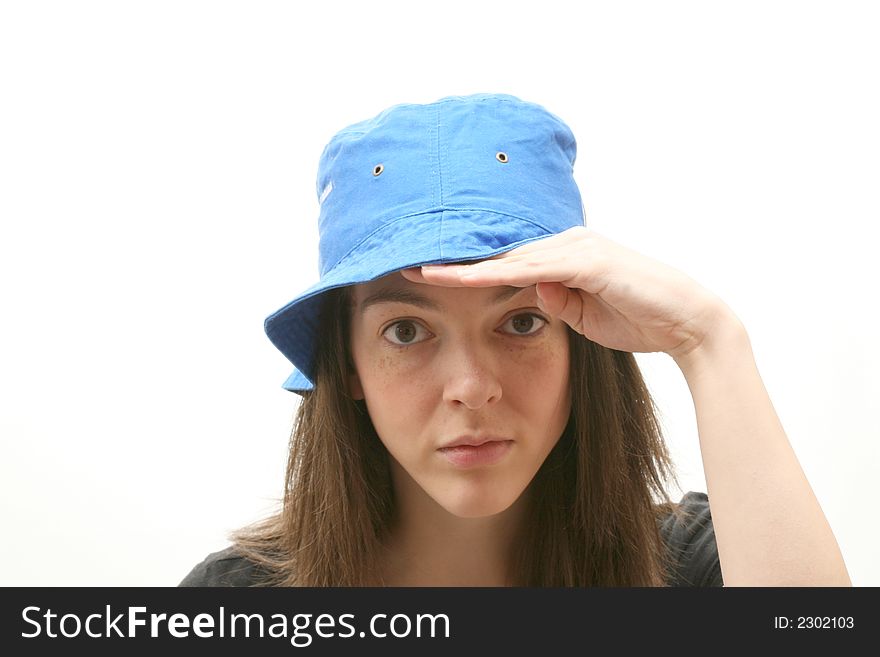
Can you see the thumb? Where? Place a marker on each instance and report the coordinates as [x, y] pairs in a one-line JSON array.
[[551, 297]]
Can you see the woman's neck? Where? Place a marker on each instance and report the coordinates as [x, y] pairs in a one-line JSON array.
[[428, 546]]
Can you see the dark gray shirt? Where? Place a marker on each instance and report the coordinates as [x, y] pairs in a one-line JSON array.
[[690, 542]]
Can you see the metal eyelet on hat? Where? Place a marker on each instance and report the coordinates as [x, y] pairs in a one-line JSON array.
[[379, 168], [501, 156]]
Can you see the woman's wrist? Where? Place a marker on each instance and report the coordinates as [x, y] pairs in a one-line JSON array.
[[723, 336]]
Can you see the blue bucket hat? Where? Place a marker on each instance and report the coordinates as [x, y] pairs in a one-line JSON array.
[[463, 178]]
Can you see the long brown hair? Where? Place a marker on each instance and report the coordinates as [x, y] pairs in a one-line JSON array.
[[594, 509]]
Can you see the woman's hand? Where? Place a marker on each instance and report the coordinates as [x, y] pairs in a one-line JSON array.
[[616, 297]]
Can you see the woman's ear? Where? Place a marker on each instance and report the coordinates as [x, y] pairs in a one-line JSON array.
[[354, 386]]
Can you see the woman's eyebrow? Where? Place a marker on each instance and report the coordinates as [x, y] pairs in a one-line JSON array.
[[391, 295]]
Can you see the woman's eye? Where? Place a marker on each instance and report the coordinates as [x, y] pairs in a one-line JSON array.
[[404, 332], [526, 324]]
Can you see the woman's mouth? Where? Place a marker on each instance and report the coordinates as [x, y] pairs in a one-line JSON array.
[[469, 456]]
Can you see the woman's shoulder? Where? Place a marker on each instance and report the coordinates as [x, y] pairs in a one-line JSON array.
[[687, 532], [690, 540], [223, 568]]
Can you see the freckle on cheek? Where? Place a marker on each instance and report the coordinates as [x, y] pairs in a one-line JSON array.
[[385, 366], [555, 354]]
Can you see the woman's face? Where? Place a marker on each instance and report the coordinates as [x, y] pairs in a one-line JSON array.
[[440, 365]]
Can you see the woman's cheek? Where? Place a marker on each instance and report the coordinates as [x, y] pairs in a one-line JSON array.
[[397, 381], [541, 359], [391, 365], [405, 370]]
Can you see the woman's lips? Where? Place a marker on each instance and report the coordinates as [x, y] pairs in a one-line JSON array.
[[468, 456]]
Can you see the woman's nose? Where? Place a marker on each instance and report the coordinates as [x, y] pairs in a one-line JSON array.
[[470, 378]]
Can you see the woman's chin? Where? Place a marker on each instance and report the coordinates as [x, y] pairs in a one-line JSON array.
[[476, 506]]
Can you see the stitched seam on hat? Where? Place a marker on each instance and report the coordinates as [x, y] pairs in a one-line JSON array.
[[440, 180], [439, 161], [488, 98], [444, 210]]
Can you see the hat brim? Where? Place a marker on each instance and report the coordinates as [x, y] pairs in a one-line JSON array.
[[439, 237], [298, 382]]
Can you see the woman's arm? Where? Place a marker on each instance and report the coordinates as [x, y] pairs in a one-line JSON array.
[[769, 527]]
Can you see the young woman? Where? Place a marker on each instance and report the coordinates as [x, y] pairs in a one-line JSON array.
[[472, 413]]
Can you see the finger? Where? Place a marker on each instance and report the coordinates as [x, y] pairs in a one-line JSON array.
[[563, 303], [570, 270], [543, 245], [439, 275], [555, 249], [414, 274], [551, 247], [453, 271], [551, 297]]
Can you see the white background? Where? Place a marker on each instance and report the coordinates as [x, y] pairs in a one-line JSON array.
[[157, 196]]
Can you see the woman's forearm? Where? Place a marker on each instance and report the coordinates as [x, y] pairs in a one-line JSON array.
[[769, 526]]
